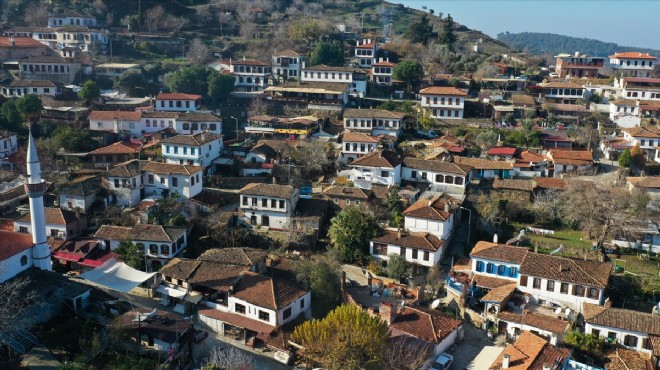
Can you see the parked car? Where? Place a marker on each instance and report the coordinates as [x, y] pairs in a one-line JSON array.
[[430, 133], [443, 362], [553, 75]]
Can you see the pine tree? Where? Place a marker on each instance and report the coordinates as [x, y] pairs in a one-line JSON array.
[[447, 37]]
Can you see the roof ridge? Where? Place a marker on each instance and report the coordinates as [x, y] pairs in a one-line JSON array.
[[573, 261]]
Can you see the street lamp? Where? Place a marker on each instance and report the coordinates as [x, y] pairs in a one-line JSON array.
[[236, 126], [469, 222]]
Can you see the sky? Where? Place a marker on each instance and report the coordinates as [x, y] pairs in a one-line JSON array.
[[624, 22]]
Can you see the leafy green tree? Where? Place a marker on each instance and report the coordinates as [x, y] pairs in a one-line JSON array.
[[72, 140], [192, 80], [10, 118], [350, 232], [447, 36], [347, 339], [131, 254], [487, 139], [595, 98], [409, 71], [29, 106], [328, 52], [420, 30], [395, 206], [220, 86], [89, 91], [134, 82], [625, 159], [638, 158], [588, 344], [397, 266], [322, 278], [425, 120]]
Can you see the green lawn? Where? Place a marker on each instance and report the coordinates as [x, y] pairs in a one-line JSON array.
[[571, 239]]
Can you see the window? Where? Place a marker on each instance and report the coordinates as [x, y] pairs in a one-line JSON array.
[[282, 204], [439, 178], [164, 249], [402, 251], [537, 283], [116, 183], [413, 174], [523, 280], [564, 288], [239, 308], [550, 286], [415, 253], [490, 268], [380, 249], [630, 340], [264, 202], [384, 173], [578, 290], [245, 201], [153, 249], [593, 293], [336, 200], [458, 181], [254, 202], [302, 303], [263, 315], [175, 181], [348, 202], [595, 332], [501, 270], [286, 313], [480, 266], [424, 175], [24, 260], [513, 271]]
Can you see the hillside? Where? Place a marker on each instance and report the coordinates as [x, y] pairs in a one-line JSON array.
[[548, 43]]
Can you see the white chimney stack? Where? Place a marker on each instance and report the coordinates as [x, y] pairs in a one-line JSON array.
[[505, 361], [553, 340], [495, 238]]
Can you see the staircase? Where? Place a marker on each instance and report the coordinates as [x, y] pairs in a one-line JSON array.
[[20, 341]]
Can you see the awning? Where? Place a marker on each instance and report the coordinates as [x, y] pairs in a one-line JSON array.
[[117, 276], [66, 256], [90, 263], [193, 297], [237, 320], [172, 292]]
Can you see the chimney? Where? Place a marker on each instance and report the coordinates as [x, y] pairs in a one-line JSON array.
[[553, 340], [601, 257], [342, 284], [447, 207], [577, 54], [274, 182], [506, 359], [387, 313], [495, 238]]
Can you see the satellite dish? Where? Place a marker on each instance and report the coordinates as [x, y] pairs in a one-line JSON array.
[[435, 304]]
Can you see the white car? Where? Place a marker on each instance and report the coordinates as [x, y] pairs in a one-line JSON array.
[[443, 362]]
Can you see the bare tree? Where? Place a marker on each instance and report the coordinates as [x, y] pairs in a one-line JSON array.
[[154, 18], [296, 233], [548, 206], [226, 22], [36, 15], [230, 358], [16, 302], [407, 353], [198, 52]]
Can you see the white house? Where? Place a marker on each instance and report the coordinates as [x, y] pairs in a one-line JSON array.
[[287, 64], [178, 102], [18, 88], [373, 121], [443, 102], [379, 167], [648, 138], [116, 121], [199, 149], [59, 223], [356, 77], [250, 75], [365, 52], [485, 168], [160, 243], [310, 95], [163, 179], [8, 144], [114, 69], [436, 215], [124, 184], [49, 67], [355, 145], [154, 121], [633, 64], [647, 184], [641, 88], [16, 254], [423, 250], [570, 161], [638, 331], [192, 123], [443, 176], [71, 18], [80, 194], [268, 205], [563, 92], [382, 72], [657, 154]]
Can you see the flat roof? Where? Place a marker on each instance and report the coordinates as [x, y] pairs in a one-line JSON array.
[[117, 65]]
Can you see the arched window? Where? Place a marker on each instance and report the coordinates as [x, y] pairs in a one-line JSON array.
[[458, 181], [195, 127], [248, 80], [449, 179], [186, 126], [240, 79], [164, 249], [213, 126], [24, 260], [153, 249]]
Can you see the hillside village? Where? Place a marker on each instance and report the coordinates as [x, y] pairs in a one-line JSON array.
[[190, 186]]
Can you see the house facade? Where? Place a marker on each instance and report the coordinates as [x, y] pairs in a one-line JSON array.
[[17, 254], [355, 77], [634, 330], [578, 65], [124, 184], [356, 145], [486, 169], [71, 18], [117, 122], [250, 75], [178, 102], [443, 102], [164, 179], [443, 176], [422, 250], [268, 205], [19, 88], [287, 65], [8, 144], [196, 150], [570, 161], [382, 72], [365, 53], [373, 121], [435, 216], [379, 167], [563, 92], [49, 67], [648, 138], [60, 223], [633, 64]]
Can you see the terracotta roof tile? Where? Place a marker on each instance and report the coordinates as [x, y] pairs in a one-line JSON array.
[[372, 113], [640, 322], [382, 158], [170, 168], [499, 252], [179, 268], [103, 115], [632, 55], [110, 232], [500, 294], [287, 53], [360, 137], [246, 257], [549, 355], [490, 282], [571, 157], [439, 90], [267, 292], [647, 182], [522, 352], [13, 243], [522, 100], [543, 322], [500, 150], [20, 42], [426, 324], [437, 166], [433, 209], [268, 190], [177, 96], [127, 169], [192, 140], [54, 216], [639, 131], [626, 359], [121, 147], [31, 83], [578, 271], [550, 183], [249, 63], [484, 164], [424, 241], [347, 192]]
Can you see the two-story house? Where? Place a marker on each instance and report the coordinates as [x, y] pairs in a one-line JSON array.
[[119, 152], [116, 121], [355, 77], [365, 52], [124, 184], [436, 215], [570, 161], [348, 196], [49, 67], [379, 167], [443, 102], [310, 95], [17, 48], [382, 72], [8, 144], [192, 123], [80, 194], [60, 223], [268, 205], [633, 63], [485, 168], [19, 88], [71, 18], [178, 102], [159, 243], [198, 149], [578, 65], [154, 121], [355, 145], [563, 92], [639, 88], [648, 138], [250, 75], [443, 176], [422, 250], [373, 121], [164, 179], [287, 64]]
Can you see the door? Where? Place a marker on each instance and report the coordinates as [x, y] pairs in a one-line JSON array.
[[253, 220], [265, 221]]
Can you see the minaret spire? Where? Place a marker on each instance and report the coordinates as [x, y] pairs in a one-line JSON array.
[[35, 189]]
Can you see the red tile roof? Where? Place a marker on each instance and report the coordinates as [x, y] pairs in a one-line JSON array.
[[267, 292], [632, 55], [382, 158], [21, 42], [360, 137], [499, 252], [366, 46], [502, 151], [424, 241], [543, 322], [423, 323], [571, 157], [441, 90], [111, 115], [13, 243], [384, 64], [500, 294], [122, 147], [484, 164], [522, 352], [550, 183], [54, 216], [433, 209], [237, 320], [177, 96]]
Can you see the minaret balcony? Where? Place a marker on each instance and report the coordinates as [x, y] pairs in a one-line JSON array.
[[36, 188]]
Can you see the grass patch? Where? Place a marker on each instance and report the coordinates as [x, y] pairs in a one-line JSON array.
[[571, 239]]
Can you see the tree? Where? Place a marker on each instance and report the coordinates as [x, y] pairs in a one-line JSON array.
[[131, 254], [491, 210], [72, 140], [589, 344], [17, 298], [308, 29], [228, 358], [407, 353], [220, 86], [89, 91], [192, 79], [420, 30], [350, 232], [348, 339], [328, 52], [409, 71], [36, 15], [447, 36], [395, 206], [198, 53], [29, 106], [10, 118], [397, 266], [638, 159], [322, 278], [487, 139], [133, 82], [625, 159], [155, 17]]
